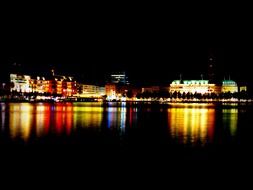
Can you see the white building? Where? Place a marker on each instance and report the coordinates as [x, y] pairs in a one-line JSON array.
[[20, 83], [92, 91], [192, 86], [119, 77], [229, 86]]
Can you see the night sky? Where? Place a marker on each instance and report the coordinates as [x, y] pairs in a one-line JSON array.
[[152, 43]]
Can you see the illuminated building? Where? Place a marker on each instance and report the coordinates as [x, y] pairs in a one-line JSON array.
[[110, 91], [229, 86], [20, 83], [193, 86], [39, 85], [119, 92], [243, 88], [203, 86], [91, 91], [118, 78], [59, 86], [62, 85], [117, 87], [101, 90]]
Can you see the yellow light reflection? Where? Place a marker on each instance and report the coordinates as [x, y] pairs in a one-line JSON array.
[[21, 120], [192, 124], [87, 116], [230, 119]]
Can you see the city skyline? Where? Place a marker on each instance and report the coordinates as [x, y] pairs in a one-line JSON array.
[[159, 44], [138, 86], [153, 73]]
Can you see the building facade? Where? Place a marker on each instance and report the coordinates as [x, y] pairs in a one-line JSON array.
[[91, 91], [56, 85], [193, 86], [229, 86], [20, 83], [39, 85], [119, 77], [111, 91], [203, 86], [61, 85]]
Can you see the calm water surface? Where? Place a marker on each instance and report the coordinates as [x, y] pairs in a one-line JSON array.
[[168, 127]]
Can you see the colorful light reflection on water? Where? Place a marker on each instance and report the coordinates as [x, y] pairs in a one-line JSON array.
[[186, 123]]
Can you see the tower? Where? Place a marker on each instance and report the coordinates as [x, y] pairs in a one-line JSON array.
[[211, 68]]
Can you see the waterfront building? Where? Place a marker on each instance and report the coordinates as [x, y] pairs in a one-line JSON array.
[[117, 86], [203, 87], [58, 85], [20, 83], [229, 86], [193, 86], [39, 85], [111, 91], [62, 85], [91, 91]]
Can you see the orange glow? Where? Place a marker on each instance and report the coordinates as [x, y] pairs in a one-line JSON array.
[[42, 119]]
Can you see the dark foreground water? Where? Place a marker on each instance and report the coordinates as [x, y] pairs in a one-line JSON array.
[[128, 131]]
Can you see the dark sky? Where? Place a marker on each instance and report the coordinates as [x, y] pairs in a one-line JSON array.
[[151, 43]]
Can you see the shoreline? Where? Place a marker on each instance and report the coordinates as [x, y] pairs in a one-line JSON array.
[[248, 101]]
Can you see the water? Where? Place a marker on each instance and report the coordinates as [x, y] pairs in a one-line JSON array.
[[194, 131]]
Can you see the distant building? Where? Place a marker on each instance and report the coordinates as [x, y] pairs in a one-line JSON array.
[[203, 86], [150, 89], [111, 91], [117, 86], [193, 86], [20, 83], [39, 84], [60, 85], [90, 91], [119, 77], [229, 86], [243, 88]]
